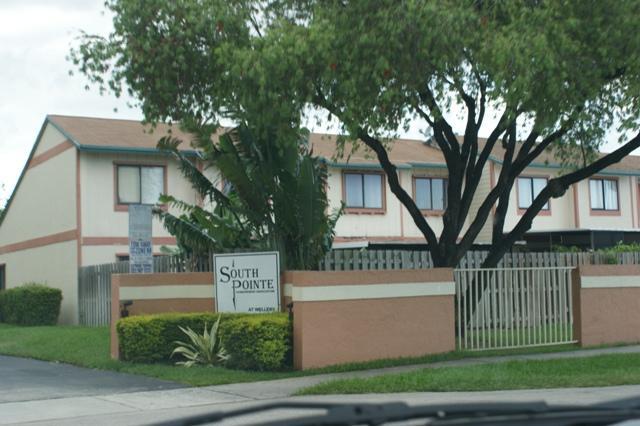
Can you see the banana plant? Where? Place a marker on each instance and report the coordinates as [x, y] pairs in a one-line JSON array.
[[278, 199]]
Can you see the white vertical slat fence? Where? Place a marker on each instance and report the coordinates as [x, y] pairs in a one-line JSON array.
[[503, 308]]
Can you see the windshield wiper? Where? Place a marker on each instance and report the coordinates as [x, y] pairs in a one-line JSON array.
[[476, 413], [367, 413]]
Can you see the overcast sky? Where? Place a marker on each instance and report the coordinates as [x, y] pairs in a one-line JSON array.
[[35, 37]]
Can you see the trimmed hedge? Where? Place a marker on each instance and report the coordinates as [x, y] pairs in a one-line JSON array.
[[150, 338], [255, 342], [258, 342], [30, 304]]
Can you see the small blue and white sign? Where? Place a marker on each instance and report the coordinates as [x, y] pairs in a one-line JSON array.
[[140, 243], [247, 282]]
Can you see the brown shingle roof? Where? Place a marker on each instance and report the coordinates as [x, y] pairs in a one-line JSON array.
[[401, 152], [629, 164], [115, 133], [101, 133]]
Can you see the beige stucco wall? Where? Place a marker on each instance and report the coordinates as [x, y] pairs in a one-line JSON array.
[[99, 217], [627, 197], [406, 179], [395, 223], [49, 139], [98, 254], [363, 225], [483, 189], [54, 265], [45, 201], [561, 209]]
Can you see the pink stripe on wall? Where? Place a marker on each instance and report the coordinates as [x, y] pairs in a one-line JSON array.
[[40, 241], [50, 153]]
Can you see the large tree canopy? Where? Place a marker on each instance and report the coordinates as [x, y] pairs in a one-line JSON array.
[[532, 75]]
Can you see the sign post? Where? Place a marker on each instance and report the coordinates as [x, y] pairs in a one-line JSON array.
[[247, 282], [140, 244]]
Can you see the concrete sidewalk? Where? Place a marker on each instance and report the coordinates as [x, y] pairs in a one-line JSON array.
[[144, 407], [125, 411]]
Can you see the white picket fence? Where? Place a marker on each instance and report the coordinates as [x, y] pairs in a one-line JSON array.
[[365, 259], [94, 282], [503, 308]]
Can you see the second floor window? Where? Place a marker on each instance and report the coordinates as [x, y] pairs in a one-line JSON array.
[[430, 193], [528, 190], [363, 190], [140, 184], [603, 194]]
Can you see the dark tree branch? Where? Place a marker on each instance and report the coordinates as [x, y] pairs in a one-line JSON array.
[[426, 96], [483, 97], [554, 189], [526, 157], [504, 198], [485, 208], [473, 175], [394, 184], [441, 141]]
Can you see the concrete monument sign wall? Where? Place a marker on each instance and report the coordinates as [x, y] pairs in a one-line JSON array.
[[247, 282]]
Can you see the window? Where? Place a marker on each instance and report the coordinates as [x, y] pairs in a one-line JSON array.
[[528, 190], [430, 193], [363, 190], [603, 194], [3, 277], [140, 184]]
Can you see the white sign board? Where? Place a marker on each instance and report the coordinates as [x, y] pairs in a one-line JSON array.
[[247, 282], [140, 245]]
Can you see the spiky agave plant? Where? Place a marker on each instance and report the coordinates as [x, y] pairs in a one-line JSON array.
[[203, 349]]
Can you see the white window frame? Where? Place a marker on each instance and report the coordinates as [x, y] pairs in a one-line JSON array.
[[533, 194], [139, 167], [604, 207], [445, 183], [364, 206]]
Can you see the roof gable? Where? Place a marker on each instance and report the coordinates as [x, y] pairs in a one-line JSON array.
[[115, 135]]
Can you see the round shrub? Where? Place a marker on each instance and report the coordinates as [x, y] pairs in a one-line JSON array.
[[258, 342], [30, 304]]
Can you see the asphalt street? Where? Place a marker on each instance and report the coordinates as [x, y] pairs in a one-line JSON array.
[[23, 379]]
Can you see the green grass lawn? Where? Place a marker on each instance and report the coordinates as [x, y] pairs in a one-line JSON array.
[[89, 347], [603, 370]]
